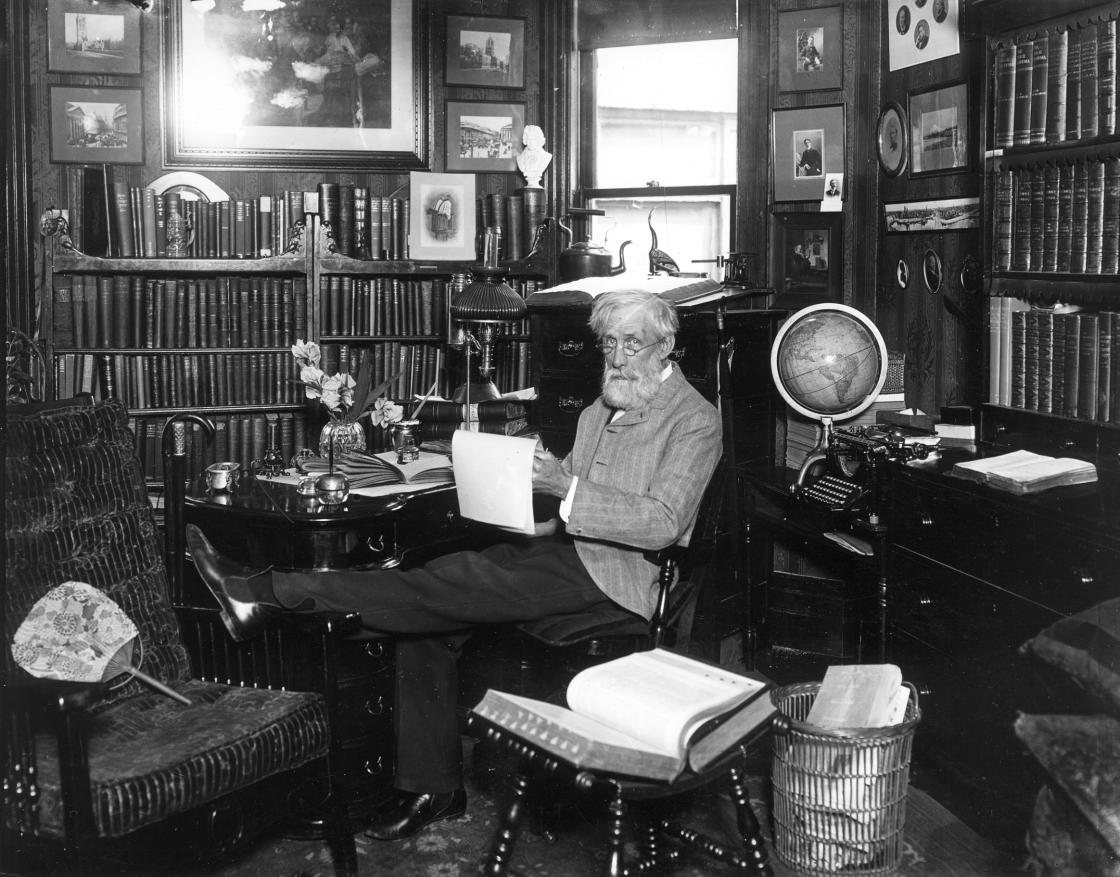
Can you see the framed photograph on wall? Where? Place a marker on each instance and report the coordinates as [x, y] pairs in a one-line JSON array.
[[891, 137], [945, 214], [810, 49], [86, 38], [939, 130], [808, 143], [96, 125], [483, 136], [441, 216], [338, 85], [922, 30], [807, 258], [485, 51]]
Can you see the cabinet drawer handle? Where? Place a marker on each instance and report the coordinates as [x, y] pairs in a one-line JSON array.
[[1083, 577], [375, 706], [373, 766], [570, 404], [677, 354], [925, 691], [375, 649], [569, 347], [925, 520], [925, 602]]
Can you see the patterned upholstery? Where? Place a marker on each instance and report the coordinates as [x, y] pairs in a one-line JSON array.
[[150, 757], [76, 507]]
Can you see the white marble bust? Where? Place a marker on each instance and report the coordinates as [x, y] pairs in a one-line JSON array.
[[533, 159]]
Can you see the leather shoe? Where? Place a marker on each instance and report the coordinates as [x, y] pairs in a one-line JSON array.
[[243, 616], [414, 811]]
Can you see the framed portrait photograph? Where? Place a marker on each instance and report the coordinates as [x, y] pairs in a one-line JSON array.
[[810, 49], [303, 85], [808, 144], [945, 214], [939, 136], [88, 37], [891, 138], [441, 216], [483, 136], [807, 258], [96, 125], [485, 51], [932, 273]]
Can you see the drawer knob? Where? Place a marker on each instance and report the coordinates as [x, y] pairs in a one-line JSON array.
[[925, 520], [375, 648], [375, 706], [1083, 577], [925, 602], [373, 766], [570, 404], [569, 347], [925, 691]]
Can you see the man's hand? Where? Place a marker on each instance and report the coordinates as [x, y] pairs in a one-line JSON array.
[[549, 476]]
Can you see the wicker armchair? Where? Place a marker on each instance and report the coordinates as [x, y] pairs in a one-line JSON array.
[[92, 770]]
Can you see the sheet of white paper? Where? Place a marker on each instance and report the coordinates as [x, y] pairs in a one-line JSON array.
[[494, 478]]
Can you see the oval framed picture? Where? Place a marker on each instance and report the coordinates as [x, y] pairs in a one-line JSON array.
[[902, 274], [890, 139], [932, 271]]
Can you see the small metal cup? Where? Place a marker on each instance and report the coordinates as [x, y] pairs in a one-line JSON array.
[[306, 485], [222, 476]]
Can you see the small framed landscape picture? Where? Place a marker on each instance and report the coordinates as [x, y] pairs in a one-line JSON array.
[[86, 37], [808, 144], [441, 216], [810, 49], [96, 125], [939, 130], [482, 136], [485, 51]]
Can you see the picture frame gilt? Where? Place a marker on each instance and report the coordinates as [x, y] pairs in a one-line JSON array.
[[484, 51], [892, 139], [939, 130], [807, 258], [943, 214], [807, 144], [331, 86], [84, 37], [810, 49], [96, 125], [441, 216], [483, 136]]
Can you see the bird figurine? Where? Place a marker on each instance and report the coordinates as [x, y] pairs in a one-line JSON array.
[[660, 262]]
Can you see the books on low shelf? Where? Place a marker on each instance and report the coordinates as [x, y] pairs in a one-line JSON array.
[[652, 714], [1023, 472], [364, 469]]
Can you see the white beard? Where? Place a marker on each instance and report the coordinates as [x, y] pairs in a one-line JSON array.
[[630, 388]]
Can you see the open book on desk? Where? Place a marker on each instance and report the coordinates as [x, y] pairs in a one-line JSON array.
[[651, 715], [1026, 472], [366, 470]]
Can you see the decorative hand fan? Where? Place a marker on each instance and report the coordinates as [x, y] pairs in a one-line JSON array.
[[75, 632]]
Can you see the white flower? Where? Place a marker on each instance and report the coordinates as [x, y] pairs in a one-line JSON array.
[[307, 352], [386, 412]]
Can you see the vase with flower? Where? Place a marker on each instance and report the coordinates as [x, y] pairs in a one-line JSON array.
[[347, 401]]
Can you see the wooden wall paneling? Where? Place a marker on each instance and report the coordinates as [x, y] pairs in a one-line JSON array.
[[758, 66], [942, 349], [18, 217]]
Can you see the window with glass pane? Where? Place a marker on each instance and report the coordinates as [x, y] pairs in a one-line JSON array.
[[665, 141]]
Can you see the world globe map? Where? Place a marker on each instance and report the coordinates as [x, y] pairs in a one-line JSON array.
[[829, 361]]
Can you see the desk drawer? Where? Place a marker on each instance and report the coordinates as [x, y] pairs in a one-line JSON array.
[[561, 401], [566, 345]]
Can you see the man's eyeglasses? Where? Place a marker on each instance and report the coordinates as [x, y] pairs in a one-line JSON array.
[[631, 346]]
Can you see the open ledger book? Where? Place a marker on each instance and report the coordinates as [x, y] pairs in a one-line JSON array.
[[651, 714], [1026, 472], [366, 470]]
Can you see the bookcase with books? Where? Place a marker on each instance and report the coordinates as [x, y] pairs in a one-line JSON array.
[[1052, 185], [208, 326]]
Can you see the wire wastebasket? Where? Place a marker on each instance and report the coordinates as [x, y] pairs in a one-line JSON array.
[[839, 793]]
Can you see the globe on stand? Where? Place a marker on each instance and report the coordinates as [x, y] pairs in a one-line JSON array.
[[829, 362]]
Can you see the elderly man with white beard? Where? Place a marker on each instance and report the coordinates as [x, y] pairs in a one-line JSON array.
[[642, 457]]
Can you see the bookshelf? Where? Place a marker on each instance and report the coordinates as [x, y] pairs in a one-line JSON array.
[[1052, 192], [214, 335]]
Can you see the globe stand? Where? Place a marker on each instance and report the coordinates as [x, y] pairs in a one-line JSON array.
[[814, 460]]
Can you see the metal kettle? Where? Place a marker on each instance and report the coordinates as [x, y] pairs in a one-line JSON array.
[[587, 258]]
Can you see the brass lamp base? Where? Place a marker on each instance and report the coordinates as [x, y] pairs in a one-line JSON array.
[[475, 392]]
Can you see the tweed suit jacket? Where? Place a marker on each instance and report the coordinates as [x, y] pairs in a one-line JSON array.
[[641, 479]]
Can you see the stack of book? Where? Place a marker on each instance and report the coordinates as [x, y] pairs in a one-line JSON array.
[[440, 418], [1045, 360], [362, 224]]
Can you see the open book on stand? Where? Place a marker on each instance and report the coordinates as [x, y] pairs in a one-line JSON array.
[[367, 470], [651, 715]]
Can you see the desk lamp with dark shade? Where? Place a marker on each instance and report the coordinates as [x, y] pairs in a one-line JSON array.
[[479, 310]]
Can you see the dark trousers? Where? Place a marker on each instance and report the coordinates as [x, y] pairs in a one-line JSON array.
[[431, 610]]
